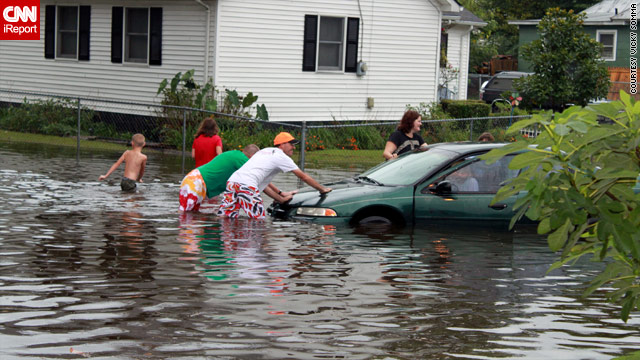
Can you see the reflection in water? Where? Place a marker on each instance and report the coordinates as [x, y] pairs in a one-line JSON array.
[[88, 271], [128, 251]]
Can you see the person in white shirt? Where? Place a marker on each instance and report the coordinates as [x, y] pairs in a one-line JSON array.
[[244, 186]]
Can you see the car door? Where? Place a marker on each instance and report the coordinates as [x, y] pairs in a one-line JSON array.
[[464, 191]]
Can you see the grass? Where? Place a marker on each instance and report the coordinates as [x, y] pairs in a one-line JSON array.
[[60, 141], [341, 158], [315, 159]]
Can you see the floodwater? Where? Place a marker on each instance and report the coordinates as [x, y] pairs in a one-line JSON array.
[[87, 271]]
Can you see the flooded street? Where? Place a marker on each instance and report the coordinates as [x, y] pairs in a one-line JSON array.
[[89, 271]]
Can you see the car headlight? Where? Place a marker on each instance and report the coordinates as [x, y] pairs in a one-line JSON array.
[[313, 211]]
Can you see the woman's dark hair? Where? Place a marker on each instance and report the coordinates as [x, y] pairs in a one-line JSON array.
[[208, 127], [406, 123], [486, 136]]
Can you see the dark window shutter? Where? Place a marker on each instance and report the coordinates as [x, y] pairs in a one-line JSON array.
[[84, 29], [116, 34], [155, 36], [50, 32], [351, 58], [310, 40]]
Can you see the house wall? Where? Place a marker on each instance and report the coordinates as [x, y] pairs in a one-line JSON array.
[[458, 57], [622, 43], [23, 66], [260, 50], [528, 33]]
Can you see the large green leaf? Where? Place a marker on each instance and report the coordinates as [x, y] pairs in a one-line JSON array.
[[561, 129], [558, 238], [175, 81], [578, 126], [262, 112], [498, 153], [525, 123], [163, 85], [529, 158], [249, 99], [616, 173]]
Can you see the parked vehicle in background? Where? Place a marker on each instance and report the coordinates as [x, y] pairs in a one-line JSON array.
[[499, 83], [446, 181]]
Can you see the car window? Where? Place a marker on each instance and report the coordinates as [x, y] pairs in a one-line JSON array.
[[480, 177], [409, 168], [502, 83]]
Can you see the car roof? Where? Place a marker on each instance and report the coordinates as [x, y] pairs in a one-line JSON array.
[[511, 74], [465, 147]]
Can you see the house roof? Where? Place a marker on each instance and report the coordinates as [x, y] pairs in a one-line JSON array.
[[464, 17], [606, 12]]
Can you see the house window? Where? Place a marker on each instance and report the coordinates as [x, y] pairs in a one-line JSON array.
[[608, 40], [136, 35], [444, 45], [329, 45], [66, 34]]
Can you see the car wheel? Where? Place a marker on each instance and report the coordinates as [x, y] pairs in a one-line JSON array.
[[374, 219]]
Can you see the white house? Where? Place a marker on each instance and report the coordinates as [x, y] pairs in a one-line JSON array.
[[302, 58], [456, 34]]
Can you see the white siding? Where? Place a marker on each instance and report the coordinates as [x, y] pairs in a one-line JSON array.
[[23, 66], [458, 57], [260, 50]]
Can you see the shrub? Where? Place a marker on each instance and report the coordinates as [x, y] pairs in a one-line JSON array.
[[54, 117], [458, 109]]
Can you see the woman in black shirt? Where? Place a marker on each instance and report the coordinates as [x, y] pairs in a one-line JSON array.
[[406, 137]]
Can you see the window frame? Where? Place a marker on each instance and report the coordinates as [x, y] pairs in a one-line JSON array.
[[126, 59], [57, 40], [343, 45], [615, 39]]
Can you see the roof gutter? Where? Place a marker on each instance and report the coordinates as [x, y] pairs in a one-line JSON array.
[[207, 41]]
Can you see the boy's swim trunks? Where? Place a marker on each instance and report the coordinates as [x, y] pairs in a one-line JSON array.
[[127, 184]]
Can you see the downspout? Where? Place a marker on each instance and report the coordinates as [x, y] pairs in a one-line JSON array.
[[207, 41], [467, 47], [435, 97]]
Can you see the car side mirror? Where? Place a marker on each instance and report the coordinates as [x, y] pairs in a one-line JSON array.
[[443, 187]]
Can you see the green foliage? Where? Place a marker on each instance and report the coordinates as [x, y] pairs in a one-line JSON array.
[[498, 37], [566, 63], [183, 91], [579, 176], [458, 109], [54, 117]]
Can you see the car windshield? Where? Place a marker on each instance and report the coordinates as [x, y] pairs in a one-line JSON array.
[[410, 168]]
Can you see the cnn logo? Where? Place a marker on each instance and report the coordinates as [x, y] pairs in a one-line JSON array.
[[15, 13], [20, 20]]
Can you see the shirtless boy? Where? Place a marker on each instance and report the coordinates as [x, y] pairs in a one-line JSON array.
[[135, 162]]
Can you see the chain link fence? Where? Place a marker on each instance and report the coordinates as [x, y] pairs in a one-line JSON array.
[[474, 84], [101, 124]]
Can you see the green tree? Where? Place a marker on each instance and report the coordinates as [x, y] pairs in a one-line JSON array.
[[579, 176], [498, 37], [566, 63]]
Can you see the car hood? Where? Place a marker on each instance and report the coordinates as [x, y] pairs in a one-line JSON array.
[[343, 192]]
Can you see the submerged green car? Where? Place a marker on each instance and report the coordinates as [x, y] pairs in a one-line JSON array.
[[446, 181]]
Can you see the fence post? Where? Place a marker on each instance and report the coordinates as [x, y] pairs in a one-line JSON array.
[[303, 142], [184, 137], [471, 131], [78, 134]]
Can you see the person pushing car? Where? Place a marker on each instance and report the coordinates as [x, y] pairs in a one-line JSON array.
[[244, 186]]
